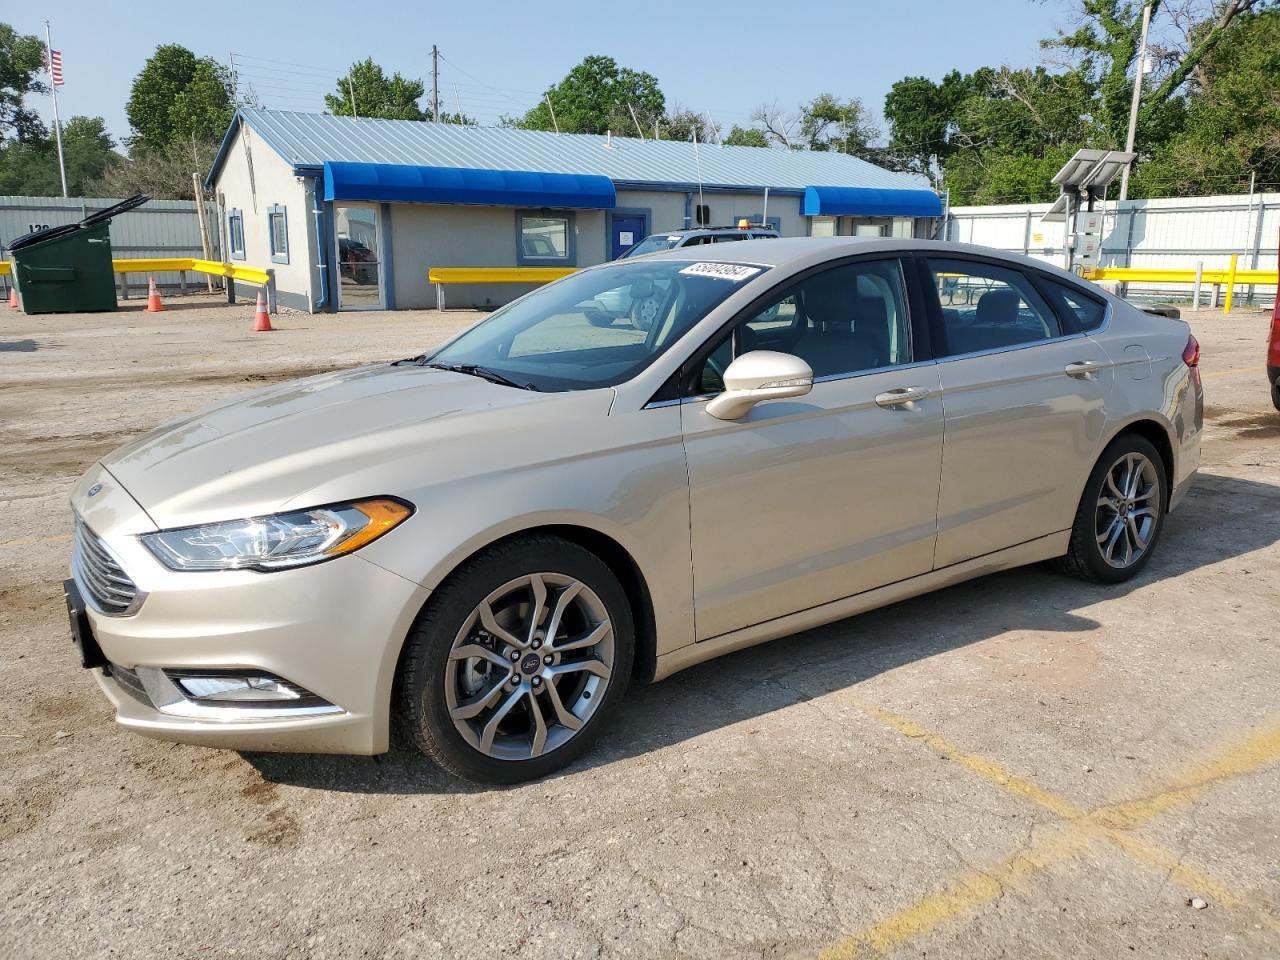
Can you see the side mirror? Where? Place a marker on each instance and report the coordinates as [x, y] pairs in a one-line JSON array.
[[760, 375]]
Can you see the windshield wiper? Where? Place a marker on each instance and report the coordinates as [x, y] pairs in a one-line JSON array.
[[484, 373]]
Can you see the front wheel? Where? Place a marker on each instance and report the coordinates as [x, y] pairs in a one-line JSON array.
[[517, 662], [644, 313], [1120, 515]]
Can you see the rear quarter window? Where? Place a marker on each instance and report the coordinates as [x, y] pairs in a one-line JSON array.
[[1078, 310]]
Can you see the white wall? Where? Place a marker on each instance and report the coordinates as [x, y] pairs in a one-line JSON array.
[[1170, 233], [253, 178]]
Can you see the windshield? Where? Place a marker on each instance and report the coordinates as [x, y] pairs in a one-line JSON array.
[[659, 241], [597, 328]]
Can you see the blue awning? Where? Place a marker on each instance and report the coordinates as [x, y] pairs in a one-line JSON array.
[[869, 202], [402, 183]]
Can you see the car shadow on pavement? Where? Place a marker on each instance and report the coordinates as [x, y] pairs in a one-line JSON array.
[[1223, 517]]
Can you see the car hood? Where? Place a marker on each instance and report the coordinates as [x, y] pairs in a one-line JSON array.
[[264, 450]]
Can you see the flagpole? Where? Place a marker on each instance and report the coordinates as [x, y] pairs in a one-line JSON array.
[[53, 91]]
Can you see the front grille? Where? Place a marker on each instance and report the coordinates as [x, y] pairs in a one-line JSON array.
[[129, 682], [100, 578]]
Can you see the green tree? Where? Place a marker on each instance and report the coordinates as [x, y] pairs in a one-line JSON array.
[[1106, 44], [922, 118], [30, 167], [683, 124], [373, 94], [597, 96], [828, 123], [21, 61], [1233, 119], [177, 96], [825, 123], [746, 137]]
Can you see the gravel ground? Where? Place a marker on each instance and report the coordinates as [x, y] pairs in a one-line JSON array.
[[1018, 766]]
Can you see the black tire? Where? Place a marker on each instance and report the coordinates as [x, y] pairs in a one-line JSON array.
[[1084, 558], [598, 318], [419, 704], [1275, 393]]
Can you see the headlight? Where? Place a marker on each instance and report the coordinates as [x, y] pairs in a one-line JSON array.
[[280, 541]]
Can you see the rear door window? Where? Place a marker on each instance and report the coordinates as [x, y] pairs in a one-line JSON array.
[[987, 307]]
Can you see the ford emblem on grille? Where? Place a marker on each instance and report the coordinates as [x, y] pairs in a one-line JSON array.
[[94, 490]]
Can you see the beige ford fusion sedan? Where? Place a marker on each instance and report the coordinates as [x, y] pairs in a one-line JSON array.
[[484, 545]]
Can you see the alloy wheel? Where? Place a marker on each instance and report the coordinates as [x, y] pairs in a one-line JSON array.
[[529, 666], [1128, 510]]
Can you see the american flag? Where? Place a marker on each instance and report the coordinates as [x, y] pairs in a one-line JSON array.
[[53, 62]]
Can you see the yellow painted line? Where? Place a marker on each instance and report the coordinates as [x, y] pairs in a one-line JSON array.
[[30, 541], [974, 889], [987, 769], [1110, 824], [1232, 373], [1259, 750]]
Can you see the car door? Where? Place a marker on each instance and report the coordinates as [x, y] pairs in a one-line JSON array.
[[1023, 399], [806, 501]]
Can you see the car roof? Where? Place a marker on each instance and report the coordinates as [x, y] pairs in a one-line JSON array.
[[801, 252]]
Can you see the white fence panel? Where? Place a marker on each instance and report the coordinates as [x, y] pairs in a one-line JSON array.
[[1172, 233]]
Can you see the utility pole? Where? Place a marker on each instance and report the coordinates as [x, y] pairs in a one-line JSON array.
[[53, 92], [1137, 99], [435, 83]]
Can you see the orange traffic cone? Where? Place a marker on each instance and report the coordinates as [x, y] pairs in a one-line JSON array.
[[13, 298], [261, 322], [153, 298]]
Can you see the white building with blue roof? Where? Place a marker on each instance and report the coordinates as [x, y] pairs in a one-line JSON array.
[[352, 213]]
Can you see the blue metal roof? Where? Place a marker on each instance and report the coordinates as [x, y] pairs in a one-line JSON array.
[[401, 183], [309, 140], [869, 202]]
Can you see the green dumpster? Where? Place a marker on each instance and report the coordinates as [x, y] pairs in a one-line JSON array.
[[67, 269], [70, 273]]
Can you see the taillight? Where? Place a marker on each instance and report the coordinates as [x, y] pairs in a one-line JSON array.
[[1191, 352]]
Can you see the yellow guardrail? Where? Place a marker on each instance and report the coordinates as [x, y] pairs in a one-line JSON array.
[[1230, 278], [497, 274], [1138, 275], [444, 275], [217, 268]]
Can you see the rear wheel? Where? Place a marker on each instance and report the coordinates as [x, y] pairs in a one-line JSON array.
[[516, 664], [1275, 393], [1120, 515]]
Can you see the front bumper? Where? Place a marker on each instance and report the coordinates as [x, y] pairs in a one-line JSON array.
[[334, 629]]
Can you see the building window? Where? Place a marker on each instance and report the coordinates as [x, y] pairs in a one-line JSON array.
[[235, 233], [545, 238], [702, 215], [278, 233]]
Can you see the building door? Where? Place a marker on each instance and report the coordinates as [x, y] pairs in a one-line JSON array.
[[628, 229], [357, 228]]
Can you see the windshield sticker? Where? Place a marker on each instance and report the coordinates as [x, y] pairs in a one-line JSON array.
[[734, 272]]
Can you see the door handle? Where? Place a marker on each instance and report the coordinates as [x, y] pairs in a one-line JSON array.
[[901, 396], [1083, 369]]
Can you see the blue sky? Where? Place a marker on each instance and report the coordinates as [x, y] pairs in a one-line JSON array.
[[713, 55]]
